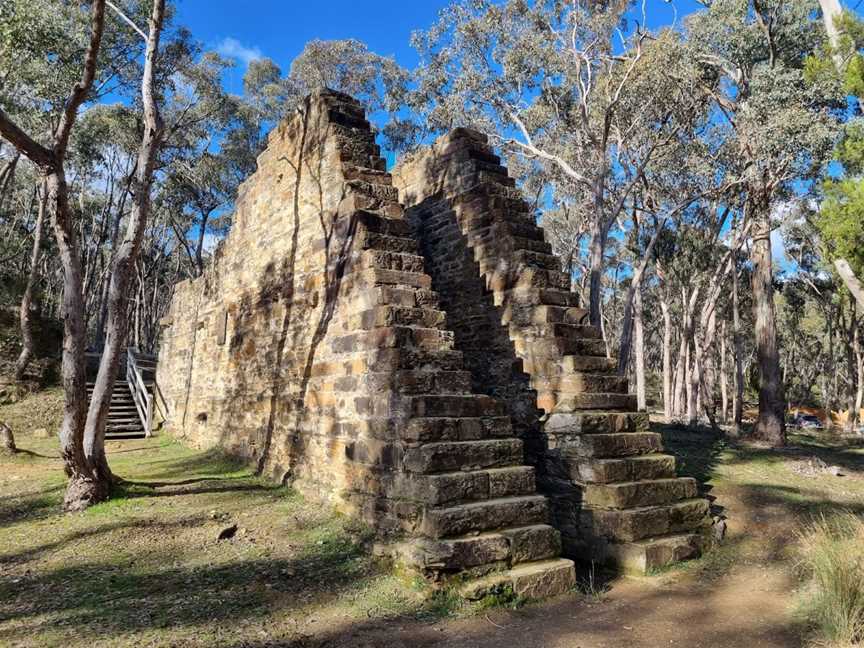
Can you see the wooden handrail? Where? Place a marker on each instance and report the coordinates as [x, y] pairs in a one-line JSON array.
[[138, 387]]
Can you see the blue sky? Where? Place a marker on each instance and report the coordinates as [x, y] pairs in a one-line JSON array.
[[279, 29]]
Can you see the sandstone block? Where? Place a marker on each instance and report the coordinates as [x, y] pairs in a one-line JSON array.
[[640, 493], [489, 514], [643, 522]]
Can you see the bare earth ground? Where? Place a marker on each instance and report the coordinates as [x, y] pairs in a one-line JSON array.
[[146, 569]]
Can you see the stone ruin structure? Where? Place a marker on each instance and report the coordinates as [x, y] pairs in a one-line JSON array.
[[424, 369]]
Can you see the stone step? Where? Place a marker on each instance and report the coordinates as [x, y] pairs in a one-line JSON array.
[[577, 383], [469, 405], [570, 402], [382, 225], [524, 233], [517, 314], [646, 556], [639, 493], [447, 489], [394, 337], [409, 382], [387, 260], [383, 193], [622, 444], [371, 176], [505, 278], [486, 515], [446, 456], [425, 430], [347, 117], [397, 316], [532, 580], [589, 363], [546, 349], [384, 277], [388, 295], [402, 244], [579, 331], [552, 364], [564, 426], [505, 548], [582, 347], [630, 525], [429, 359], [537, 296], [604, 471], [533, 259]]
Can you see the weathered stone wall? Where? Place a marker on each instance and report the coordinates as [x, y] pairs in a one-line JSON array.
[[614, 495], [314, 345]]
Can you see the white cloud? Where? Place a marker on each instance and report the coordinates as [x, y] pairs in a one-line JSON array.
[[232, 48]]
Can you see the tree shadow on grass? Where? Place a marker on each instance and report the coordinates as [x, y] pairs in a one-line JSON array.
[[801, 448], [116, 597], [30, 505], [210, 462], [38, 551], [697, 451]]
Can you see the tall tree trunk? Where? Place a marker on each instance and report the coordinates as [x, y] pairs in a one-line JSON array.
[[852, 368], [27, 344], [82, 490], [124, 262], [709, 379], [859, 396], [738, 354], [852, 282], [115, 235], [724, 382], [599, 232], [639, 351], [667, 359], [694, 378], [771, 425]]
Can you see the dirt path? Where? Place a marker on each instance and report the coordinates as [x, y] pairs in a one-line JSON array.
[[749, 609]]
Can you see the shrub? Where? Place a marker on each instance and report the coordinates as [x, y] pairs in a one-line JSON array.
[[833, 561]]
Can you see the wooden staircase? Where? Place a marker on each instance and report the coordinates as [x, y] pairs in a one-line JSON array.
[[130, 415]]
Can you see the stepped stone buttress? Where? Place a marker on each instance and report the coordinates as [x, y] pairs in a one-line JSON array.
[[615, 495], [315, 346]]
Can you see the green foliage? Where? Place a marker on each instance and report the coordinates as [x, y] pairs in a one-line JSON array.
[[841, 218]]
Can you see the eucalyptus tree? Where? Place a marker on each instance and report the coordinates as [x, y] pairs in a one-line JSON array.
[[780, 128], [82, 431], [51, 161], [551, 81]]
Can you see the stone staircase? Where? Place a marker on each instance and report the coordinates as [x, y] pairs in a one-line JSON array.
[[461, 488], [614, 494]]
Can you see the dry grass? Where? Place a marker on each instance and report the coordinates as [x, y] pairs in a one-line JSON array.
[[832, 549]]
